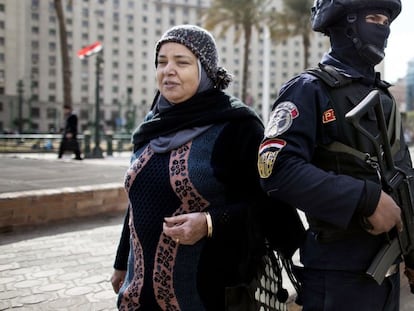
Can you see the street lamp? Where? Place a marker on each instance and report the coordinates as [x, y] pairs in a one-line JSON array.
[[90, 50], [20, 106]]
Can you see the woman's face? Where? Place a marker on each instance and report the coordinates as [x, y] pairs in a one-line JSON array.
[[177, 72]]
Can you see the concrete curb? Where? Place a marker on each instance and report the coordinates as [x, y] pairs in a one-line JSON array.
[[45, 206]]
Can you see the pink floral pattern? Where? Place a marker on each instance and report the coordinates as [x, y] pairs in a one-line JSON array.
[[191, 201], [131, 295]]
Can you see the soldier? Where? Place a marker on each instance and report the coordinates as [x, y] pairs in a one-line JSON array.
[[311, 159]]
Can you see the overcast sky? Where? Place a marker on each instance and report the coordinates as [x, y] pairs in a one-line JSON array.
[[400, 47]]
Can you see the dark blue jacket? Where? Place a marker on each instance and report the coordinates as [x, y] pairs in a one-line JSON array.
[[304, 118]]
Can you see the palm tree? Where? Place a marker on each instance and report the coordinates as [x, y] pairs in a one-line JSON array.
[[294, 20], [66, 72], [244, 16]]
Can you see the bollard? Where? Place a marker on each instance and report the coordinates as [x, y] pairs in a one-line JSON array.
[[120, 145], [109, 137], [87, 142]]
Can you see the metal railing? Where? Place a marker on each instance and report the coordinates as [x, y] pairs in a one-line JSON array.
[[47, 143]]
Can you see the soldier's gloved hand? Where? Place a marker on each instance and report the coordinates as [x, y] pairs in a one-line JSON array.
[[409, 273], [386, 216]]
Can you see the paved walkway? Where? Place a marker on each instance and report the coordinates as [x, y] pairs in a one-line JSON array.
[[25, 172], [67, 266]]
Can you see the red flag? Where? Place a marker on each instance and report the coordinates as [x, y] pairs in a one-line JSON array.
[[90, 49]]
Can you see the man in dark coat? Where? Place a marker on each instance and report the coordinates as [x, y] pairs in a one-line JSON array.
[[69, 141]]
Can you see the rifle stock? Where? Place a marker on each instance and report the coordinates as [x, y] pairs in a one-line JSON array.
[[395, 182]]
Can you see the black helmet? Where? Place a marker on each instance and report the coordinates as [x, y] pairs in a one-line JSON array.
[[327, 12]]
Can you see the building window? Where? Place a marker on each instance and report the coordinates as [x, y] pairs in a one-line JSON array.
[[51, 113], [84, 114], [35, 4], [52, 46], [52, 60], [35, 58], [35, 112], [35, 45]]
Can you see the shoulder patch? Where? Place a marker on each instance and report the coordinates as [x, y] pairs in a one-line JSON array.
[[268, 152], [281, 119], [328, 116]]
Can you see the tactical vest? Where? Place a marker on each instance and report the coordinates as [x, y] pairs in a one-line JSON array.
[[349, 152]]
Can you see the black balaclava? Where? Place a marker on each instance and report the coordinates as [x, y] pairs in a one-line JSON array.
[[352, 36]]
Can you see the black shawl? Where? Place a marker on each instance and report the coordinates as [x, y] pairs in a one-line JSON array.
[[205, 108]]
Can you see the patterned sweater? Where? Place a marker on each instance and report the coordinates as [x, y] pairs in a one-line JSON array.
[[214, 172]]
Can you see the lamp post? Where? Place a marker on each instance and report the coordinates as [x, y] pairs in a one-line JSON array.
[[20, 106], [90, 50], [97, 151]]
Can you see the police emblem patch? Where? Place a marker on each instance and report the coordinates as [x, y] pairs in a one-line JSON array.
[[281, 119], [328, 116], [268, 152]]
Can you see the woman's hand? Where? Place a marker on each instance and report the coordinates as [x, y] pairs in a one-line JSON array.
[[186, 229], [117, 279]]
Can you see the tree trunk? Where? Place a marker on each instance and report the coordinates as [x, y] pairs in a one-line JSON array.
[[247, 38], [66, 72]]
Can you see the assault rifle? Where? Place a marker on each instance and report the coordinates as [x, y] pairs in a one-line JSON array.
[[396, 183]]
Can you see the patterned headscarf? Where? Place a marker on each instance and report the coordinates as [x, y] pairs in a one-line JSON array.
[[202, 44]]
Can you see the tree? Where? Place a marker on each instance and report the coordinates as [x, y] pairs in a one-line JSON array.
[[244, 16], [294, 20], [66, 72]]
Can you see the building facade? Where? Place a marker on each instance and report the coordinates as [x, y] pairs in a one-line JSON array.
[[31, 87], [410, 86]]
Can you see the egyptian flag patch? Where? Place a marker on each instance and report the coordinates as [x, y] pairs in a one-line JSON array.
[[268, 152]]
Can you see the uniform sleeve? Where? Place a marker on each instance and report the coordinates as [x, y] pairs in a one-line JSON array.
[[285, 157]]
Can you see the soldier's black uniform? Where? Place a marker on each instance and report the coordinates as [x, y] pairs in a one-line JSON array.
[[316, 161]]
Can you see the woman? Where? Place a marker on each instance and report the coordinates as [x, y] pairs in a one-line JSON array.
[[192, 186]]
